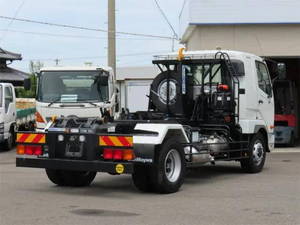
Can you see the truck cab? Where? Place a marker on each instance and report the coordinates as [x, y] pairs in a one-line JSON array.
[[7, 114], [80, 91]]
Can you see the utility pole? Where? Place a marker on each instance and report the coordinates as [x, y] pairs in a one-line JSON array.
[[56, 61], [112, 35]]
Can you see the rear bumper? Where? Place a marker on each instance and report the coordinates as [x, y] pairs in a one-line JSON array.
[[75, 165]]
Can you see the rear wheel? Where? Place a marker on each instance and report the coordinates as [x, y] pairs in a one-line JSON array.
[[142, 178], [257, 151], [70, 178], [169, 169]]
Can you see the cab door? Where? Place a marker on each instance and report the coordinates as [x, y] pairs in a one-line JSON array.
[[9, 108], [265, 96]]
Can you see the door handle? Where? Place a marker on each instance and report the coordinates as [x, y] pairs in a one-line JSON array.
[[260, 102]]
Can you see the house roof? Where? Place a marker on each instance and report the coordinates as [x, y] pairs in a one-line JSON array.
[[9, 55], [10, 74]]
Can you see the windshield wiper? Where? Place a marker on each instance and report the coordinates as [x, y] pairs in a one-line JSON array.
[[54, 101], [86, 101], [93, 104]]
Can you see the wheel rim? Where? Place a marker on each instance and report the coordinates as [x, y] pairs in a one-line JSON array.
[[172, 165], [258, 152]]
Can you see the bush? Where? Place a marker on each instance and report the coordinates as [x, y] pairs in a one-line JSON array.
[[22, 93]]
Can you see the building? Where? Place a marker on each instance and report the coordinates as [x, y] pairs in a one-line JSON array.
[[269, 29], [134, 86], [8, 74]]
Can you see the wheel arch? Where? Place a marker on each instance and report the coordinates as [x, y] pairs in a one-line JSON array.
[[263, 131], [176, 133], [172, 133]]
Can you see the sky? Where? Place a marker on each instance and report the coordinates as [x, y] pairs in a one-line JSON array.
[[76, 47]]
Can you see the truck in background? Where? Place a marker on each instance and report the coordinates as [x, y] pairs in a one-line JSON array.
[[13, 117], [80, 91], [286, 112], [204, 107]]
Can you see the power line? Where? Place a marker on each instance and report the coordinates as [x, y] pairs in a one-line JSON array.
[[12, 20], [84, 28], [75, 36], [95, 57], [166, 18], [183, 5]]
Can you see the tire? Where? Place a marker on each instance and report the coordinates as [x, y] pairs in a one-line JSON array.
[[168, 172], [160, 104], [70, 178], [9, 142], [257, 151], [142, 178], [55, 177]]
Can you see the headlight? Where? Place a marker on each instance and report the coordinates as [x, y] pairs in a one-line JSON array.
[[163, 89]]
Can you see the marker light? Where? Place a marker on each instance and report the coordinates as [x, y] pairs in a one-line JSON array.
[[82, 138], [60, 137]]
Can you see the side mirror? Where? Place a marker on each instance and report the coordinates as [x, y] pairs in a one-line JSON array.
[[281, 68], [27, 84]]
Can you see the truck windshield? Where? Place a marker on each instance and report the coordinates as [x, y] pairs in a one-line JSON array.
[[73, 86]]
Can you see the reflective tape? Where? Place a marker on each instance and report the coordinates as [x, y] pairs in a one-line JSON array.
[[31, 138], [116, 141]]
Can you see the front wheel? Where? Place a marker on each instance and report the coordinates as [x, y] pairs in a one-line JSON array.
[[70, 178], [168, 171], [257, 155], [9, 142]]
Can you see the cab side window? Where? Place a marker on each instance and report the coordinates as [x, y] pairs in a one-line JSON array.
[[8, 97], [264, 82]]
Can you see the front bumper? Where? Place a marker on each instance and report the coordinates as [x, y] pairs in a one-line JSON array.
[[76, 165]]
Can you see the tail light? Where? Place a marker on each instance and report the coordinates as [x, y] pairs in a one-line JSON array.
[[20, 149], [128, 155], [107, 153], [118, 154], [39, 118], [29, 150]]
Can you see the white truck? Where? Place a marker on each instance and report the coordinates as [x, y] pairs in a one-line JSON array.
[[12, 118], [204, 107], [82, 91]]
